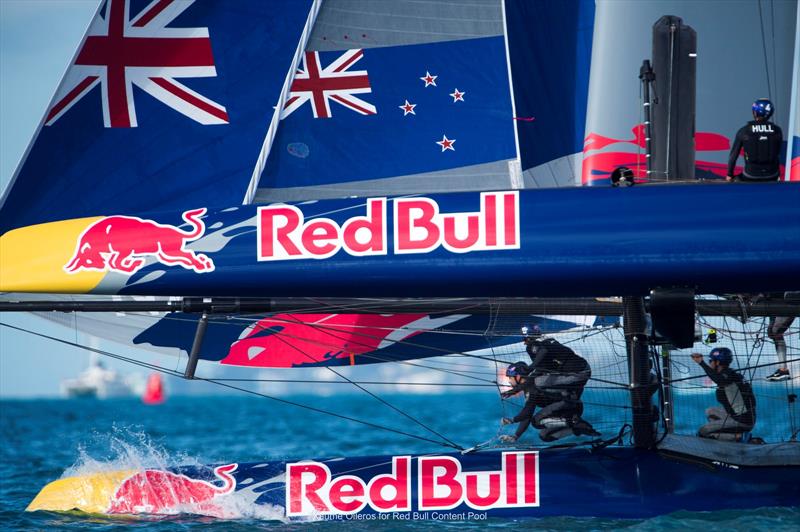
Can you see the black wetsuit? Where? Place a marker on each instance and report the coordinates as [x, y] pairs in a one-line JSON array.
[[555, 385], [762, 147], [735, 395], [552, 357]]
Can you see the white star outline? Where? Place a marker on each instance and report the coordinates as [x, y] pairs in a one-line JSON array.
[[429, 79], [408, 108], [446, 144], [458, 96]]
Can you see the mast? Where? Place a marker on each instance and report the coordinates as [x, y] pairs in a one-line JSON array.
[[515, 166], [673, 109], [284, 95], [635, 325]]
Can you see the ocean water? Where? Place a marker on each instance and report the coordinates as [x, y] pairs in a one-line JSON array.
[[42, 440]]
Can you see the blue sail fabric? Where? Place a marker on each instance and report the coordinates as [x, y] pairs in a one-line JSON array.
[[164, 107], [363, 133], [550, 48]]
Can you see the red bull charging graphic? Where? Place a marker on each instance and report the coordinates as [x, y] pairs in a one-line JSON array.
[[287, 340], [123, 243], [159, 492]]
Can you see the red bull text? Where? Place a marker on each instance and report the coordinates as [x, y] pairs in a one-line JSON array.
[[419, 227], [122, 244], [441, 484]]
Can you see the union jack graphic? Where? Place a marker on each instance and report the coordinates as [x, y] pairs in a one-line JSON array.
[[120, 52], [318, 85]]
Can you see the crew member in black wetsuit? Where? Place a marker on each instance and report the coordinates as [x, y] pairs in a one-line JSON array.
[[738, 414], [761, 140], [554, 382]]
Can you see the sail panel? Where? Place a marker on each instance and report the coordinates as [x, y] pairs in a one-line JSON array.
[[476, 177], [344, 24], [550, 48], [175, 120], [345, 119], [319, 340]]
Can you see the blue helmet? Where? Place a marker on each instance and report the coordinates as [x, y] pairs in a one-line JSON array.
[[723, 355], [763, 108], [516, 369]]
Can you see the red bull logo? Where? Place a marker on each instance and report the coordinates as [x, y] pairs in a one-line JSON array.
[[419, 227], [158, 492], [287, 340], [122, 244], [441, 485]]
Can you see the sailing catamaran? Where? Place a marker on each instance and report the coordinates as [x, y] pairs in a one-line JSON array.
[[345, 182]]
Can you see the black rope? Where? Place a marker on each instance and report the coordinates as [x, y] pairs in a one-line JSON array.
[[764, 48], [225, 385], [788, 360], [376, 397], [387, 383]]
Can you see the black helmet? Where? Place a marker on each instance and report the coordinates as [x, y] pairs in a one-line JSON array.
[[518, 369]]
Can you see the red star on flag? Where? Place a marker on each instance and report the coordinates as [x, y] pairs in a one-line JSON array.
[[408, 108], [428, 79], [458, 96], [446, 144]]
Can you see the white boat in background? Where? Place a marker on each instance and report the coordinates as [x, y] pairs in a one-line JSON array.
[[96, 381]]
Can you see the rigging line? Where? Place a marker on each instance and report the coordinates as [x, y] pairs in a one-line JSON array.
[[764, 48], [772, 32], [740, 369], [334, 414], [462, 373], [376, 397], [140, 363], [386, 383], [219, 383], [383, 359], [402, 342], [329, 329], [760, 344]]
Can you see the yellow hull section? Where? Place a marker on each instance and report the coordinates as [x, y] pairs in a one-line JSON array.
[[32, 259], [88, 493]]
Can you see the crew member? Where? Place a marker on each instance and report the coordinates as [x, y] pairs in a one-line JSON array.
[[738, 414], [778, 326], [554, 382], [761, 140]]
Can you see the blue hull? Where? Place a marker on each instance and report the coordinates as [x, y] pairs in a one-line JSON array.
[[619, 482]]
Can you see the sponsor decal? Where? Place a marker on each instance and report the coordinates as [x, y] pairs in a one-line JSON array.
[[441, 484], [159, 492], [419, 227], [122, 243]]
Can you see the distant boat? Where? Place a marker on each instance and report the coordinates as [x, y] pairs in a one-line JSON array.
[[154, 392], [96, 381]]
